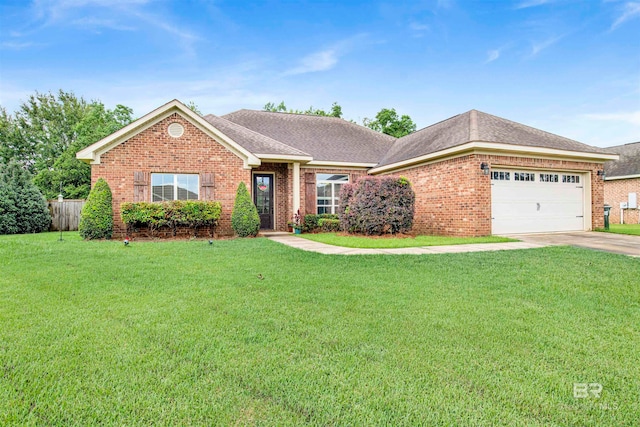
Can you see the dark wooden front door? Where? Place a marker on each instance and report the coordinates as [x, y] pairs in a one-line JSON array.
[[263, 199]]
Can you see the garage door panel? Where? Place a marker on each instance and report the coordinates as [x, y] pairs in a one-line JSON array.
[[535, 206]]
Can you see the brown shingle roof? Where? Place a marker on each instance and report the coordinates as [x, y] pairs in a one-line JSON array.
[[629, 162], [252, 141], [324, 138], [477, 126]]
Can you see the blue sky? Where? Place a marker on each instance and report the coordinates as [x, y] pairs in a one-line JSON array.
[[565, 66]]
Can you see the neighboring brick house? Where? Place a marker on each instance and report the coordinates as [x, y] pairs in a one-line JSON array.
[[473, 174], [622, 183]]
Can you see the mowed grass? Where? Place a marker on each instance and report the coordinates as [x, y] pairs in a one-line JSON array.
[[186, 333], [374, 242], [633, 229]]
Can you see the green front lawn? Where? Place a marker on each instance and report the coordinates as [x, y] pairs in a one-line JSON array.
[[398, 242], [248, 331], [633, 229]]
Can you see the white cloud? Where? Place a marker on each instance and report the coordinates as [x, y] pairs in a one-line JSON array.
[[538, 47], [632, 117], [531, 3], [317, 61], [418, 29], [325, 59], [492, 55], [630, 11], [96, 23]]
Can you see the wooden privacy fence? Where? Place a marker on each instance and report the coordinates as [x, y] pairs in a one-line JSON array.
[[65, 216]]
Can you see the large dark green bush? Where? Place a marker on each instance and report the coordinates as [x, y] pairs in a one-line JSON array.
[[377, 205], [193, 214], [23, 209], [245, 220], [96, 218]]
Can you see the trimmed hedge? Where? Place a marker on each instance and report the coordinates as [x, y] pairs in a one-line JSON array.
[[328, 225], [377, 205], [23, 209], [193, 214], [311, 222], [245, 220], [96, 217]]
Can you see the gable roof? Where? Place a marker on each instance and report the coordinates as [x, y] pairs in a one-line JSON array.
[[258, 144], [629, 163], [478, 127], [328, 139], [92, 153]]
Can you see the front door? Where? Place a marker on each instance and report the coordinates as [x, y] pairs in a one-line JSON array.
[[263, 199]]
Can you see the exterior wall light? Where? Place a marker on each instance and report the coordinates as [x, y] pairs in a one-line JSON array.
[[601, 174], [484, 167]]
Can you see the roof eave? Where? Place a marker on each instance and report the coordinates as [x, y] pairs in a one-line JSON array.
[[613, 178], [285, 158], [496, 147]]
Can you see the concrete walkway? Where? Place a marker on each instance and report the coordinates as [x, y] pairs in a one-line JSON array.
[[608, 242], [311, 246]]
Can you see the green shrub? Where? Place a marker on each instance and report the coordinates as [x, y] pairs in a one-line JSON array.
[[96, 217], [193, 214], [245, 220], [23, 209], [328, 225], [311, 222], [377, 205]]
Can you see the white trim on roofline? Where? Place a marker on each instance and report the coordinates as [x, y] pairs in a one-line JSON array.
[[495, 147], [612, 178], [320, 163], [289, 158], [92, 153]]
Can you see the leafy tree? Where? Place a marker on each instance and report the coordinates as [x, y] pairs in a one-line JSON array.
[[336, 110], [193, 107], [75, 175], [96, 218], [387, 121], [47, 131], [245, 220], [22, 207]]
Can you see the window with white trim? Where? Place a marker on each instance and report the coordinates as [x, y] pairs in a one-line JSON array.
[[171, 186], [571, 179], [328, 191]]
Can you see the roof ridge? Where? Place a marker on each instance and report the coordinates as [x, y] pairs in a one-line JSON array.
[[256, 133], [473, 125]]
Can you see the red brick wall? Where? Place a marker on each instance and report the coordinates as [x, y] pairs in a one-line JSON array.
[[453, 197], [616, 191], [154, 151]]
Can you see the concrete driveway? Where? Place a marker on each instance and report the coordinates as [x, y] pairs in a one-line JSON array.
[[609, 242]]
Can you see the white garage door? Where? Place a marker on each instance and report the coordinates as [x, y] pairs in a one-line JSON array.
[[526, 201]]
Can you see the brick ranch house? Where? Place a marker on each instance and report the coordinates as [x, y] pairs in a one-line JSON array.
[[622, 183], [474, 174]]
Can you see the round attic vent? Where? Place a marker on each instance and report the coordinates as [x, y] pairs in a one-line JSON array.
[[175, 130]]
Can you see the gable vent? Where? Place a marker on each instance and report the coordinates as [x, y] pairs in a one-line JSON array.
[[175, 130]]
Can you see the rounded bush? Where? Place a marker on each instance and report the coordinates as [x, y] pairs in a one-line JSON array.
[[96, 217], [376, 205], [245, 220], [23, 209]]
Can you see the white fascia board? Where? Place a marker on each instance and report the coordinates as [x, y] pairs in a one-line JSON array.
[[91, 154], [285, 158], [321, 163], [612, 178], [497, 148]]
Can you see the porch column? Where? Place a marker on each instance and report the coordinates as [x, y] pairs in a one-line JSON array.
[[296, 187]]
